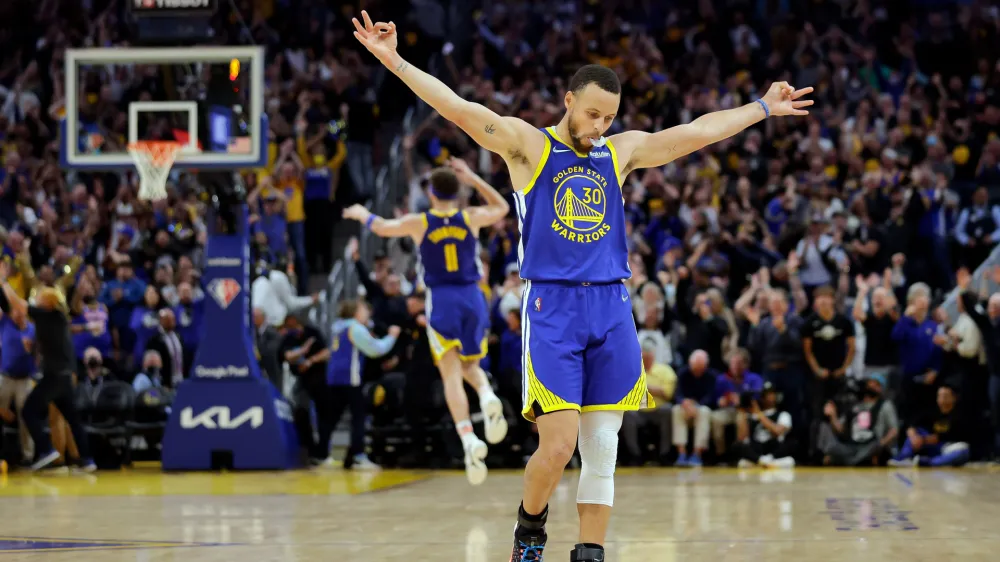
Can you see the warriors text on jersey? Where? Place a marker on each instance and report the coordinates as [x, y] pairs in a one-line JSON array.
[[449, 251], [572, 216]]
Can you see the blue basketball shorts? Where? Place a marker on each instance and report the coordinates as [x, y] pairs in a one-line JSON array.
[[581, 350], [457, 317]]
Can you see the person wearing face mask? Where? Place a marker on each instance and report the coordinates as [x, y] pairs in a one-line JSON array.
[[151, 375], [864, 432], [94, 374]]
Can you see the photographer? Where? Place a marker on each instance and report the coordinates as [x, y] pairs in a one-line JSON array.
[[735, 390], [762, 433], [865, 432]]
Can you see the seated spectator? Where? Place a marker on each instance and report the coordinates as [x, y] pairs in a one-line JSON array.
[[938, 440], [762, 433], [94, 375], [734, 389], [661, 382], [863, 432], [151, 375], [693, 399]]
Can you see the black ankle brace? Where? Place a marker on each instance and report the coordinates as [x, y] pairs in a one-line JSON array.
[[532, 522], [587, 552]]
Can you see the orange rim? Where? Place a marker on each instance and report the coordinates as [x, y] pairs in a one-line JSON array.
[[161, 152]]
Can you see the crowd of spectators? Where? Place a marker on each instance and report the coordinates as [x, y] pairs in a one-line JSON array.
[[786, 281], [130, 270]]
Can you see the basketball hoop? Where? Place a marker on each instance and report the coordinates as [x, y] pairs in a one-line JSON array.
[[153, 160]]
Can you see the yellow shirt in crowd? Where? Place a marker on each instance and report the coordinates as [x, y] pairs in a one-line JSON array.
[[662, 376]]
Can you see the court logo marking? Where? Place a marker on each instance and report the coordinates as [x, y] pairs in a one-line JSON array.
[[868, 514]]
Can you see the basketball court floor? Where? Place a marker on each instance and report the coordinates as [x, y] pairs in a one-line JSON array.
[[144, 515]]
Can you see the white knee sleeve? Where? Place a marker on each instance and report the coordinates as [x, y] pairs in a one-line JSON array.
[[599, 452]]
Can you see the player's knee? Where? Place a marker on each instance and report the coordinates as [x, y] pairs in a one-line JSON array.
[[599, 452], [558, 450], [704, 411]]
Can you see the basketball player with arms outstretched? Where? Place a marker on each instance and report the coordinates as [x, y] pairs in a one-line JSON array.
[[582, 360], [458, 320]]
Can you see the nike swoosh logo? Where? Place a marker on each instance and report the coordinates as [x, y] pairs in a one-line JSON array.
[[557, 150], [624, 298]]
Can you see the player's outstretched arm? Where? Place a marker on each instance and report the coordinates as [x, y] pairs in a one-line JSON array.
[[411, 225], [638, 149], [495, 207], [491, 131]]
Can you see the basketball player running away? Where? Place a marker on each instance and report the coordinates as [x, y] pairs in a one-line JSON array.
[[458, 318], [582, 360]]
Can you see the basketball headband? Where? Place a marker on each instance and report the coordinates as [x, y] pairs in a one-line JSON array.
[[442, 197]]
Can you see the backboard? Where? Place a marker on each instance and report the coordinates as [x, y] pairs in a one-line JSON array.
[[209, 98]]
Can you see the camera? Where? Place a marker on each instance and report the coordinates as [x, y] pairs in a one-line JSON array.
[[746, 400]]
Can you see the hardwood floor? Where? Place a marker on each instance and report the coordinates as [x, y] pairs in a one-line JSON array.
[[662, 515]]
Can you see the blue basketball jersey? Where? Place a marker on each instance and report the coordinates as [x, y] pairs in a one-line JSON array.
[[572, 216], [449, 252], [346, 361]]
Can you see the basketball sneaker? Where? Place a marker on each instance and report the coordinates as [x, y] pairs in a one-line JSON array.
[[475, 459], [528, 545], [494, 422], [45, 460]]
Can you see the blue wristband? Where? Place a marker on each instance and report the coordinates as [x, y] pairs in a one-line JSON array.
[[767, 110], [368, 223]]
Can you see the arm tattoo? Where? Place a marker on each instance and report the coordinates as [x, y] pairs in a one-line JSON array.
[[490, 129], [402, 67]]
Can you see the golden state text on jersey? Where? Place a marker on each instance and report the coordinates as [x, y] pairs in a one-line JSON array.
[[572, 216]]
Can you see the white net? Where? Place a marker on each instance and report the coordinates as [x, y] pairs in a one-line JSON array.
[[153, 160]]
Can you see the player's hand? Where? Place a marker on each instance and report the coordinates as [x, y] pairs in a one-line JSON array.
[[356, 212], [379, 38], [783, 99], [394, 331], [462, 170]]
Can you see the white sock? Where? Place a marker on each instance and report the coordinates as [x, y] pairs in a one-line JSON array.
[[466, 432], [486, 394]]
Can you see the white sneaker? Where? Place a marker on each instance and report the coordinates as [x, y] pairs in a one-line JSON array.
[[45, 460], [745, 463], [362, 462], [783, 462], [494, 422], [914, 461], [475, 465]]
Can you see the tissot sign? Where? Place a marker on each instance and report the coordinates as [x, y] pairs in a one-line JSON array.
[[171, 7]]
